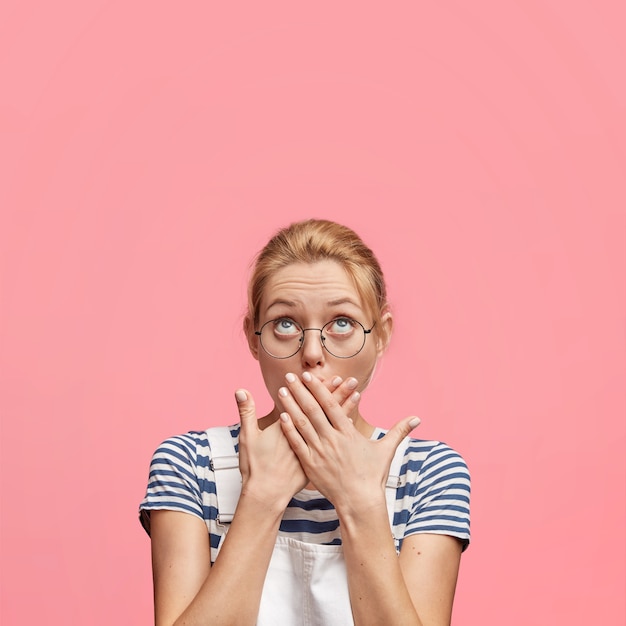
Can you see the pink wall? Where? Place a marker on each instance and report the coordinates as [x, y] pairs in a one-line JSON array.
[[148, 149]]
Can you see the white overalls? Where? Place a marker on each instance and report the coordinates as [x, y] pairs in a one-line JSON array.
[[306, 583]]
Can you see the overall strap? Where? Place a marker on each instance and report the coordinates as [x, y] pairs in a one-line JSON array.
[[225, 465], [395, 478]]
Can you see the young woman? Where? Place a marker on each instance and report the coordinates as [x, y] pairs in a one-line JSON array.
[[309, 514]]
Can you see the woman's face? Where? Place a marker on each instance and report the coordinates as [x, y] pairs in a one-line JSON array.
[[312, 295]]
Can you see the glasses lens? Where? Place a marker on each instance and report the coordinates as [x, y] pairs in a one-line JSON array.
[[343, 337], [281, 338]]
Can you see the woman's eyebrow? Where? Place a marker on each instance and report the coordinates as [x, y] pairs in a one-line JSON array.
[[292, 305], [343, 301], [287, 303]]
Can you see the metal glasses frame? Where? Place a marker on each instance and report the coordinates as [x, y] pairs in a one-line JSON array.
[[366, 332]]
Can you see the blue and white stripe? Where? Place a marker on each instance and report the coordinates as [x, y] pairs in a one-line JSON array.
[[433, 496]]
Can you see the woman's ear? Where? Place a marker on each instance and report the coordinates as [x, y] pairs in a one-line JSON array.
[[253, 339], [384, 334]]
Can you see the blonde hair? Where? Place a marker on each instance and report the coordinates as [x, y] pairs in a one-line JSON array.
[[315, 240]]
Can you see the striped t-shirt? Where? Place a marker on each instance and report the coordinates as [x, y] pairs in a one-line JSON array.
[[433, 496]]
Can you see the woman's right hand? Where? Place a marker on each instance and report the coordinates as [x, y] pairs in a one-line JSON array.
[[270, 470]]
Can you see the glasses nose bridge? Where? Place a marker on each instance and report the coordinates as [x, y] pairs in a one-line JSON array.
[[320, 330]]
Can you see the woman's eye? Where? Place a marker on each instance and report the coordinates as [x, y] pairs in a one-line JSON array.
[[286, 327], [341, 326]]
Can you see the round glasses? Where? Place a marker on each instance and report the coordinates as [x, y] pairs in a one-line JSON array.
[[342, 337]]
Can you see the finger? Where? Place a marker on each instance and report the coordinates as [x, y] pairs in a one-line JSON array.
[[334, 383], [342, 389], [293, 436], [247, 411], [304, 411], [351, 403], [347, 395], [332, 409], [400, 430]]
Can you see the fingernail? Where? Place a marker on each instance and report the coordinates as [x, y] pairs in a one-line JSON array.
[[307, 377], [284, 417], [355, 396], [291, 378], [283, 392], [240, 395], [336, 381], [352, 383], [415, 422]]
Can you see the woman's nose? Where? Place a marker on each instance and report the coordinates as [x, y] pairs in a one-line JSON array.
[[312, 351]]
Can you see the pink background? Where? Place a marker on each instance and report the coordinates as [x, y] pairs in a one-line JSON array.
[[148, 149]]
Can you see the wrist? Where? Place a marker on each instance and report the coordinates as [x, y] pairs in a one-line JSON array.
[[263, 498], [355, 509]]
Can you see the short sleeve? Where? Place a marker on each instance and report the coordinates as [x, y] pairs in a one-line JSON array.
[[172, 481], [442, 496]]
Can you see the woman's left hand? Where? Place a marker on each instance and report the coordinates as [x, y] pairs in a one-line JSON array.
[[344, 465]]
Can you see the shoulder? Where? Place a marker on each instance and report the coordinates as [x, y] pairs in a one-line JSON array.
[[433, 456], [433, 495], [423, 454], [191, 447], [434, 466], [183, 445], [437, 489], [180, 477]]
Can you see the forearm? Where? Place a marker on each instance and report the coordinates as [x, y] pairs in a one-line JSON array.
[[231, 593], [378, 592]]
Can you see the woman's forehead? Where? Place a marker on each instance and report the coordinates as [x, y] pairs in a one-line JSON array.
[[323, 282]]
